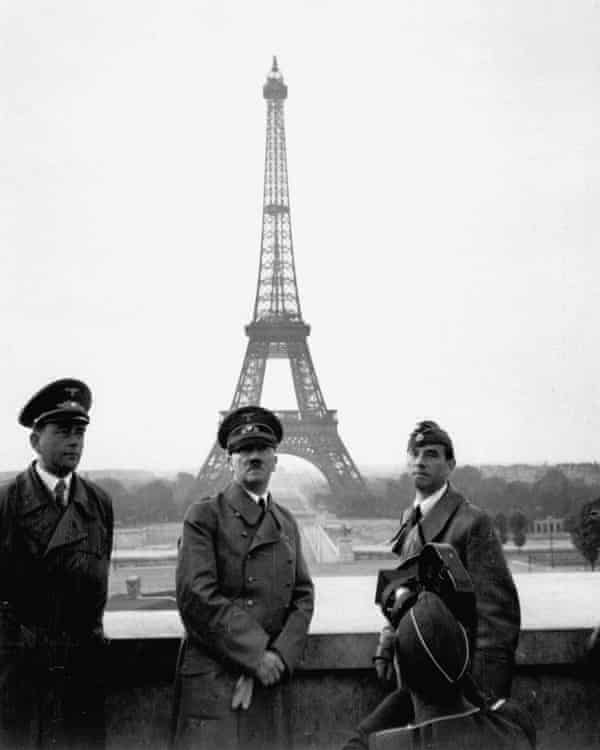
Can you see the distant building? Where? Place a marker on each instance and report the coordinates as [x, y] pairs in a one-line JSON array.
[[549, 525]]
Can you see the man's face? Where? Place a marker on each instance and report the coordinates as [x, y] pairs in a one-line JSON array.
[[59, 446], [429, 467], [253, 465]]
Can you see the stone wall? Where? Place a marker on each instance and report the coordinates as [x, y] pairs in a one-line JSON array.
[[335, 686]]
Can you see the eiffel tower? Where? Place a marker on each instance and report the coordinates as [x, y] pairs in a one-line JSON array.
[[277, 331]]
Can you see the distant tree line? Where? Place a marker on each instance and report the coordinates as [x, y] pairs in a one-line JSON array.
[[512, 505], [157, 501], [552, 495]]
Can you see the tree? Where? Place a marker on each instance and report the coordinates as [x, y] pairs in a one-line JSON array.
[[154, 501], [468, 479], [501, 526], [519, 538], [517, 523], [122, 499], [585, 531], [552, 493]]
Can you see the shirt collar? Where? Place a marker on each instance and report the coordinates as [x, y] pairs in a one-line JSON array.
[[50, 480], [429, 502], [258, 498]]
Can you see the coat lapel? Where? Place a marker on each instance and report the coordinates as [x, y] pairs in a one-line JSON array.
[[269, 531], [436, 520], [242, 504], [408, 541], [71, 527], [37, 512]]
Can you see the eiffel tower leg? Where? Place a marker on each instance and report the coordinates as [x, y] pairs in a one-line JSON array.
[[214, 474], [308, 393], [317, 440], [252, 376]]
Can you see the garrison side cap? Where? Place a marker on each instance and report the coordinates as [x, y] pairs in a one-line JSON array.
[[429, 432], [65, 399], [249, 424]]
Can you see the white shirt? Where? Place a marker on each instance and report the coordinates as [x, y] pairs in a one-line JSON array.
[[429, 502], [258, 498], [51, 481]]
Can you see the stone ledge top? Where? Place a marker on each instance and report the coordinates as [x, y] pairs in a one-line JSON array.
[[549, 602]]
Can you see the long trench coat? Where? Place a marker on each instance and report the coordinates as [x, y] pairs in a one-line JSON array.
[[242, 586], [53, 588]]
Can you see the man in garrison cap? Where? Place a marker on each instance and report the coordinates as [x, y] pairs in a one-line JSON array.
[[433, 655], [245, 597], [56, 532], [441, 514]]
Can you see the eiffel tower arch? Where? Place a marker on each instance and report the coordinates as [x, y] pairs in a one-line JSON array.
[[277, 331]]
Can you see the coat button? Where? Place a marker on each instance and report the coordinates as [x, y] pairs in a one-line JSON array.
[[250, 602], [250, 579], [244, 533], [287, 585]]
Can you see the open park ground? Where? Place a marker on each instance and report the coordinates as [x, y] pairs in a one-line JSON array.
[[549, 601], [161, 577]]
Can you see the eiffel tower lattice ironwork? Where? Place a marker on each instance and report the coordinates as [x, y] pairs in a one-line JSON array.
[[277, 331]]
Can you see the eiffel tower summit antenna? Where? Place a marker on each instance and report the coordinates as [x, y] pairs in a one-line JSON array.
[[278, 331]]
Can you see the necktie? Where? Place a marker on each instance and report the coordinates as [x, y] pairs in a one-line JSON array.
[[415, 515], [60, 493], [262, 501]]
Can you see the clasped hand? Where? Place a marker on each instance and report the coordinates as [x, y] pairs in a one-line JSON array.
[[270, 668]]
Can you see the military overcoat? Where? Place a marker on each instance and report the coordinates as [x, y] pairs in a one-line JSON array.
[[503, 726], [242, 586], [54, 567]]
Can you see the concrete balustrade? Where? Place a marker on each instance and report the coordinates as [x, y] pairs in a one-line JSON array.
[[335, 685]]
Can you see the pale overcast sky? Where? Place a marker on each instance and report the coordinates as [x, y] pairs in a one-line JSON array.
[[444, 164]]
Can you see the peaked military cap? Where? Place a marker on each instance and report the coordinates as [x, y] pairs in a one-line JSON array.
[[429, 432], [65, 399], [249, 424]]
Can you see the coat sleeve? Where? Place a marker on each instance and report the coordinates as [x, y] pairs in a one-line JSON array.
[[289, 644], [107, 519], [7, 577], [209, 616], [498, 611]]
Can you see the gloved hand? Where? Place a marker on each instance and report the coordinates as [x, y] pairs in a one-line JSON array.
[[270, 669], [242, 693], [384, 656]]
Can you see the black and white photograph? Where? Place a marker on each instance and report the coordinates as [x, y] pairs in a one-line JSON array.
[[300, 415]]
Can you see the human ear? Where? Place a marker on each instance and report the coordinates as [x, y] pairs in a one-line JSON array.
[[34, 440]]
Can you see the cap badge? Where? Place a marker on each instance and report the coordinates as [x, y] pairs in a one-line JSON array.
[[248, 428], [419, 438], [69, 405]]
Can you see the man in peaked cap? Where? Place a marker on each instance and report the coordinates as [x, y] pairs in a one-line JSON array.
[[441, 514], [433, 655], [245, 597], [56, 532]]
